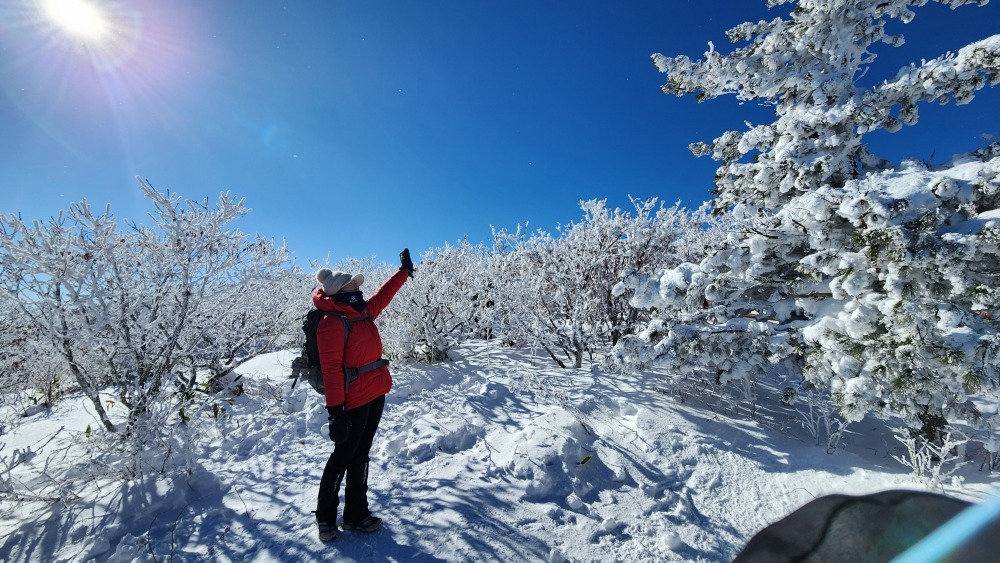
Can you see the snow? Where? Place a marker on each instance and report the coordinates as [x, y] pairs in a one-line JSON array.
[[495, 455]]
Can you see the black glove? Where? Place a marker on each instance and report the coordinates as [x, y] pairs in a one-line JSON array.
[[339, 425], [405, 262]]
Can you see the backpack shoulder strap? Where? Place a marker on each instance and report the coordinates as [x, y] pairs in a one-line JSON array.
[[366, 317], [343, 319]]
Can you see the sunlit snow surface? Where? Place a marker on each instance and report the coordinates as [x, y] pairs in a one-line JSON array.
[[495, 456]]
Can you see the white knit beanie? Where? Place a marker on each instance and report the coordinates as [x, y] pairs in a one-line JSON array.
[[333, 282]]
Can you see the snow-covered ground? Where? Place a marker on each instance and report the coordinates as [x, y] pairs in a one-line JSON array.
[[495, 456]]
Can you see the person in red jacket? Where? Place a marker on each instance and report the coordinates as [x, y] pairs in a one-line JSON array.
[[354, 404]]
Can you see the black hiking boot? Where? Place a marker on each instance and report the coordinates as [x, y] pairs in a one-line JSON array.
[[327, 531], [368, 525]]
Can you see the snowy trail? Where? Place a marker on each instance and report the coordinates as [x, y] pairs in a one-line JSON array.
[[495, 456]]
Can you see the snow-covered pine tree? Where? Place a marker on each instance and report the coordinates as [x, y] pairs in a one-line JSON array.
[[863, 278]]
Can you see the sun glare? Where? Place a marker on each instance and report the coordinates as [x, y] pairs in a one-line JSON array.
[[78, 17]]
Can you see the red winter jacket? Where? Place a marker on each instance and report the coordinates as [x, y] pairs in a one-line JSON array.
[[364, 346]]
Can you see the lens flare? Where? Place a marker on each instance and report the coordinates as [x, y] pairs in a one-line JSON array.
[[78, 18], [90, 74], [106, 33]]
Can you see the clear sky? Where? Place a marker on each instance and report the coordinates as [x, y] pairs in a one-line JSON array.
[[357, 128]]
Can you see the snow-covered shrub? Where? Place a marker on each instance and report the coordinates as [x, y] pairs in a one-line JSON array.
[[932, 462], [558, 289], [819, 417], [862, 278], [29, 370], [988, 437], [446, 302], [128, 309]]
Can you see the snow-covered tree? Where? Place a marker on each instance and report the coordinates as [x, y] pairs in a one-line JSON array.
[[258, 311], [862, 278], [27, 364], [130, 309], [444, 304], [559, 288]]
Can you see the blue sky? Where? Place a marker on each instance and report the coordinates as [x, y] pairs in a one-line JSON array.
[[358, 128]]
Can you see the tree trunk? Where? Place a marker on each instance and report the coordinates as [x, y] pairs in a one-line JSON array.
[[67, 353], [88, 389], [554, 357]]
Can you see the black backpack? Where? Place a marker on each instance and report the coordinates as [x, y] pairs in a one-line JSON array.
[[307, 366]]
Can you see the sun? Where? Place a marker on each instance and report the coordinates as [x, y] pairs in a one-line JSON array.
[[79, 18]]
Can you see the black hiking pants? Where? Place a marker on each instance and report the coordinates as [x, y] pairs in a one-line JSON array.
[[350, 459]]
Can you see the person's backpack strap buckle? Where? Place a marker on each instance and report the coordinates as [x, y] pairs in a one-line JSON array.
[[350, 374]]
